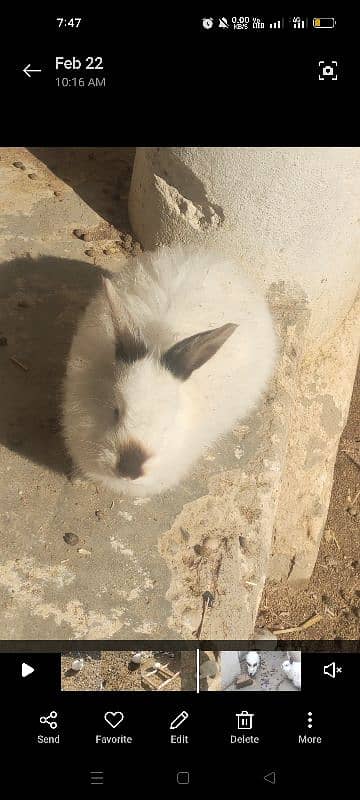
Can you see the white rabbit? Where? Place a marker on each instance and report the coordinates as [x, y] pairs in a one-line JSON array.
[[293, 672], [170, 353], [252, 662], [294, 655], [138, 657]]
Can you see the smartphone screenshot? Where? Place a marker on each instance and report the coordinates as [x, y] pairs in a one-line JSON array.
[[180, 400]]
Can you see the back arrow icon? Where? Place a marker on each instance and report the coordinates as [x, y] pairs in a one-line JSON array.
[[270, 777], [28, 71]]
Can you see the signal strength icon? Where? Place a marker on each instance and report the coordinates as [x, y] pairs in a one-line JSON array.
[[299, 23], [277, 25]]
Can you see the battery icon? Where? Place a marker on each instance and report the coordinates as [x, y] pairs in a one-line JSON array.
[[324, 22]]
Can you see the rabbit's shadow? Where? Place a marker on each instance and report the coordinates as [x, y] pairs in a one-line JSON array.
[[40, 303]]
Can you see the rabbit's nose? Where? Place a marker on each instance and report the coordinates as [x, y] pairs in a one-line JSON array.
[[131, 461]]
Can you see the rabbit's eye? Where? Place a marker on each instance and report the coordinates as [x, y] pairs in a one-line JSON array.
[[118, 411]]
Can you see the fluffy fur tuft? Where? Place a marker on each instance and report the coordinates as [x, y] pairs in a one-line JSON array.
[[293, 672], [167, 357]]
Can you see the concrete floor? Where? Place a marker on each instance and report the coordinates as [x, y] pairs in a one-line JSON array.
[[113, 583], [116, 586]]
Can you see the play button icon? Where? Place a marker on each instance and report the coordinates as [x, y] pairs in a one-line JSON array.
[[26, 670]]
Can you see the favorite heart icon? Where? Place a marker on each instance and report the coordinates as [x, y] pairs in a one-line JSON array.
[[113, 718]]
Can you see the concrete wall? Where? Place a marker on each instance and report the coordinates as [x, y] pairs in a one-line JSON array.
[[291, 216], [286, 213]]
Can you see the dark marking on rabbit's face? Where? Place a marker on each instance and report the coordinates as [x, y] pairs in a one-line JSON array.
[[129, 349], [191, 353], [129, 346], [131, 461]]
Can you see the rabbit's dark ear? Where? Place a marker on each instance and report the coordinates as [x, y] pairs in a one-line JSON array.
[[191, 353], [129, 346]]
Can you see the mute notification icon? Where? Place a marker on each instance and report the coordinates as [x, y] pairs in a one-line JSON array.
[[332, 669]]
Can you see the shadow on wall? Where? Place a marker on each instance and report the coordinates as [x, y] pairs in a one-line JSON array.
[[99, 175], [40, 303]]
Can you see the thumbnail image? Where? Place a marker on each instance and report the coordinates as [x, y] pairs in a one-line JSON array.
[[210, 670], [114, 671], [260, 671]]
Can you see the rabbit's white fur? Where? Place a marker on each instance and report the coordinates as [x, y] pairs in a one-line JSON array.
[[293, 672], [167, 296], [252, 662]]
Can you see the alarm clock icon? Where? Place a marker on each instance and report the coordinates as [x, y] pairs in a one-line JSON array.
[[207, 23]]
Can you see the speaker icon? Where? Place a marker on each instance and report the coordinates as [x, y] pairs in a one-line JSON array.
[[331, 670]]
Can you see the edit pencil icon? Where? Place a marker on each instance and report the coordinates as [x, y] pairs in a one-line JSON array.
[[178, 720]]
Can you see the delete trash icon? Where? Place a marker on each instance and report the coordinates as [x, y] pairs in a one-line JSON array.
[[245, 720]]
